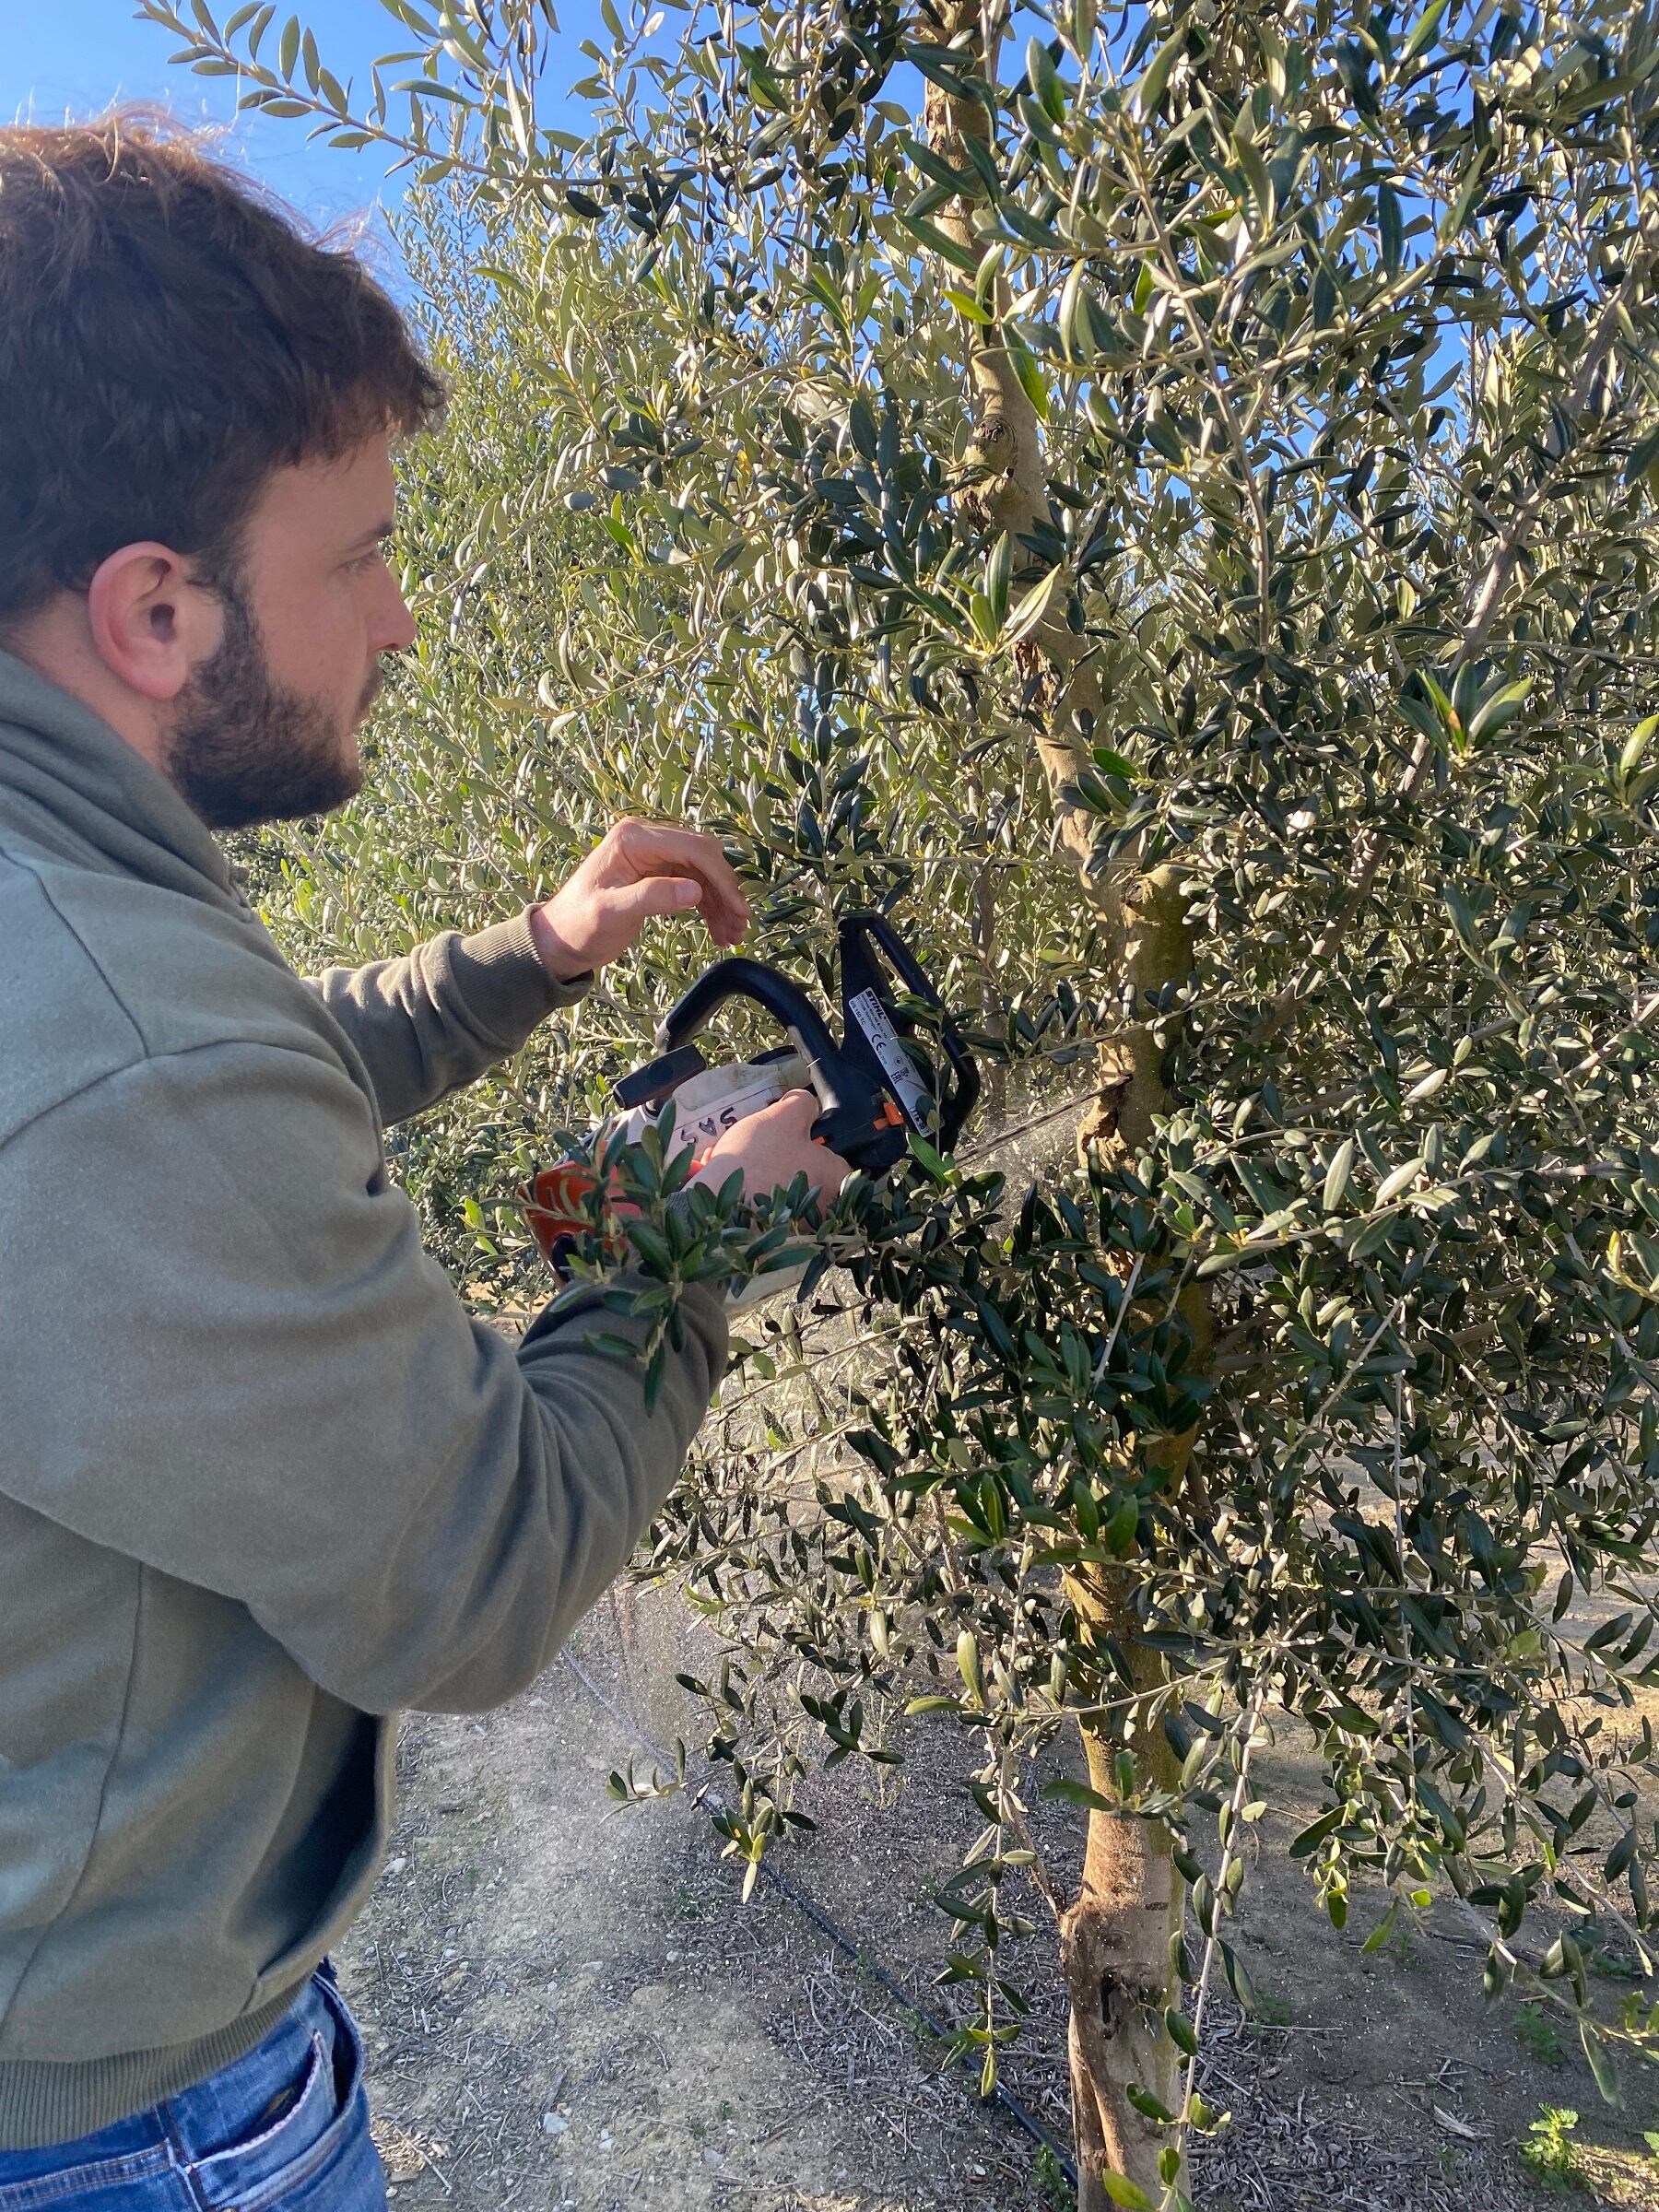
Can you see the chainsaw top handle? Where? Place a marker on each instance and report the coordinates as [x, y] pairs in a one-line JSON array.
[[740, 978], [868, 1085], [852, 1102]]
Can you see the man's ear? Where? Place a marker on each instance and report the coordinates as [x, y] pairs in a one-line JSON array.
[[150, 620]]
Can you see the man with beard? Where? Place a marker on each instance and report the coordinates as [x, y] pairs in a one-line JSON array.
[[263, 1484]]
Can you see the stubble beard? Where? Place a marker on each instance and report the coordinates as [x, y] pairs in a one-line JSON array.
[[246, 750]]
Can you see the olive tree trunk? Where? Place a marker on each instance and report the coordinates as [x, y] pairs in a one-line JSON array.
[[1121, 1931], [1121, 1939], [1116, 1943]]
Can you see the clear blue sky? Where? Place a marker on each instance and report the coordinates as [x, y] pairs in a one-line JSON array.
[[79, 55]]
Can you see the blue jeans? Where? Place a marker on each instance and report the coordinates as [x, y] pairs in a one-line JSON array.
[[284, 2129]]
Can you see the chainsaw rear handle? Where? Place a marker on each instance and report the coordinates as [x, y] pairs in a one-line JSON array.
[[957, 1103]]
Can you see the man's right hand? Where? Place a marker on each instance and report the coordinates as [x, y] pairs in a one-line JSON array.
[[771, 1147]]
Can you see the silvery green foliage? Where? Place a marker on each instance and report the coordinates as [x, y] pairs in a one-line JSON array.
[[1341, 325]]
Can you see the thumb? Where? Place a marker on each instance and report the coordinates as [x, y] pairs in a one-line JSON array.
[[797, 1110]]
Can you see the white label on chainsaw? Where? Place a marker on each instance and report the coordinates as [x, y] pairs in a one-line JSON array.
[[871, 1015], [710, 1103]]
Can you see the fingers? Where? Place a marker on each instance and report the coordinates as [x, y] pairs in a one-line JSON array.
[[663, 849], [634, 903], [769, 1150]]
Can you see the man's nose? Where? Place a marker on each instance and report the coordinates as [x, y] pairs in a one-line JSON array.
[[395, 625]]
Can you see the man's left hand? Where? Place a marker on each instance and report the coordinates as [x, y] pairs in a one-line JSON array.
[[638, 869]]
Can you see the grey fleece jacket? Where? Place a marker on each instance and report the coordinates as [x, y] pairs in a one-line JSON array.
[[262, 1483]]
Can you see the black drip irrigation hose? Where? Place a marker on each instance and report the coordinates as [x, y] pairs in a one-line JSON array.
[[843, 1942]]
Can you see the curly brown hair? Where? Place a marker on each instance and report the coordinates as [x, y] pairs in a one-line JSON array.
[[168, 337]]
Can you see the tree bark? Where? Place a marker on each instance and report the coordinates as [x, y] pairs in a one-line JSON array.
[[1120, 1942], [1115, 1952], [1122, 1929]]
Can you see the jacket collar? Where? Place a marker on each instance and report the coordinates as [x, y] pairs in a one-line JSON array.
[[69, 782]]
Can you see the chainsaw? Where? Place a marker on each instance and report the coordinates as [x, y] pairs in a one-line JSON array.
[[879, 1086]]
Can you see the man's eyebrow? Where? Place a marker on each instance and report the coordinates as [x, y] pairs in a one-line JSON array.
[[378, 536]]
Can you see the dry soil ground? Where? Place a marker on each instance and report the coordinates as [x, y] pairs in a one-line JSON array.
[[568, 2007]]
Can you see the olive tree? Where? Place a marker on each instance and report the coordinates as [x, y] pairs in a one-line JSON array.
[[1171, 488]]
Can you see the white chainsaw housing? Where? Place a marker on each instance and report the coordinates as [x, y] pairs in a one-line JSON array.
[[705, 1106]]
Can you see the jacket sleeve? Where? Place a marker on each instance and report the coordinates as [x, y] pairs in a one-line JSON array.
[[438, 1018], [238, 1364]]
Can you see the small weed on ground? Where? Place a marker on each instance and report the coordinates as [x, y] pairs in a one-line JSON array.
[[1548, 2151], [1603, 2175]]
